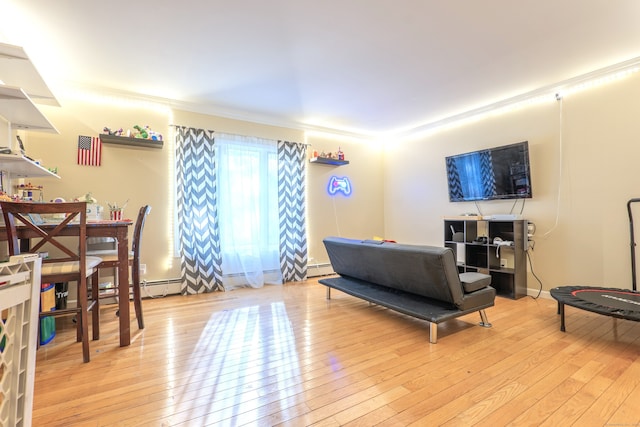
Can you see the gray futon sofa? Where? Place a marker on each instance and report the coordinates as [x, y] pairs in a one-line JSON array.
[[420, 281]]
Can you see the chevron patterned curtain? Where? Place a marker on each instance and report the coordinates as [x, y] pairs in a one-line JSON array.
[[198, 235], [292, 210]]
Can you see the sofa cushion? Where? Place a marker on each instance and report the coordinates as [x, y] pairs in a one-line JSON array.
[[472, 281]]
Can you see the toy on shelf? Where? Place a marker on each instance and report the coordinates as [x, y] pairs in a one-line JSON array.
[[154, 135], [29, 192], [322, 157], [29, 186], [138, 132], [146, 133], [339, 155], [142, 133], [108, 131]]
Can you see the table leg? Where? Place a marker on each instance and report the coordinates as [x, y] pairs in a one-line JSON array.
[[123, 288]]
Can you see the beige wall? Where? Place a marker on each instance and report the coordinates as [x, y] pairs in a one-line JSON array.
[[597, 132], [584, 160], [145, 175], [358, 216], [137, 174]]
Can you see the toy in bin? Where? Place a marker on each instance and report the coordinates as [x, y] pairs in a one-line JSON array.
[[47, 303]]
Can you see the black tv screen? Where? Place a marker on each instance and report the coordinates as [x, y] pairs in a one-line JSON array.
[[495, 173]]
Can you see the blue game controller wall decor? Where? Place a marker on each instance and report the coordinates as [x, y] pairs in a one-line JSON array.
[[339, 185]]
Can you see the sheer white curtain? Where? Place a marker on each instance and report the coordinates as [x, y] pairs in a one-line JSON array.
[[247, 170]]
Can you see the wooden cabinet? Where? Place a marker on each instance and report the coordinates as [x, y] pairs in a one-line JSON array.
[[493, 247]]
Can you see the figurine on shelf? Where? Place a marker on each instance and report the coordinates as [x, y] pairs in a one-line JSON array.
[[108, 131], [142, 133], [29, 186], [153, 134]]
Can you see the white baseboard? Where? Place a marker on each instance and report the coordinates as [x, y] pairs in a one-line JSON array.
[[316, 270], [159, 288], [535, 292]]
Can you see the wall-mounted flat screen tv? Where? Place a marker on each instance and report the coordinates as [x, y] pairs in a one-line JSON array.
[[490, 174]]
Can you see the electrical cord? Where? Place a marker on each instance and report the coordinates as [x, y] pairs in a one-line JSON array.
[[335, 216], [534, 274], [478, 208], [560, 161], [513, 206]]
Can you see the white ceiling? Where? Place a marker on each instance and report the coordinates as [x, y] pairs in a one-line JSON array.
[[362, 66]]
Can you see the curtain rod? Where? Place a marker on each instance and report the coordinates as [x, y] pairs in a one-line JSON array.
[[244, 136]]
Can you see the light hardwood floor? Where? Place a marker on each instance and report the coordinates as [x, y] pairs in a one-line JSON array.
[[284, 355]]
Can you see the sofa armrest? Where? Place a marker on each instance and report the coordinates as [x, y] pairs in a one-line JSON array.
[[472, 281]]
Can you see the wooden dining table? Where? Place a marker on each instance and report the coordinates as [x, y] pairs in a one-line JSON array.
[[100, 228]]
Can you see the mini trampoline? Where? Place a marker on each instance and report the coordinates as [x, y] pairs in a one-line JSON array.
[[618, 303]]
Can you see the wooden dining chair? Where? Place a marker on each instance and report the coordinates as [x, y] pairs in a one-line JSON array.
[[62, 244], [109, 258]]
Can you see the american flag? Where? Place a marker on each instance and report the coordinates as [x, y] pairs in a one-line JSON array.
[[89, 151]]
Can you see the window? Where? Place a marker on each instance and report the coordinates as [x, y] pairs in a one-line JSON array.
[[247, 170], [233, 195]]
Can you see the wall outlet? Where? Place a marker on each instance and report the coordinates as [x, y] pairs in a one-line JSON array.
[[143, 269]]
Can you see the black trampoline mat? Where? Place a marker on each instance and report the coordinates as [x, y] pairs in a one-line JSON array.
[[610, 298], [622, 303]]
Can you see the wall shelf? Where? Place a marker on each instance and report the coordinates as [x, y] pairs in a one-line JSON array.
[[133, 142], [19, 71], [17, 108], [328, 161], [22, 86], [22, 167]]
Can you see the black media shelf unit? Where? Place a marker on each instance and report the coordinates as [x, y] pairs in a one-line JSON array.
[[507, 265]]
